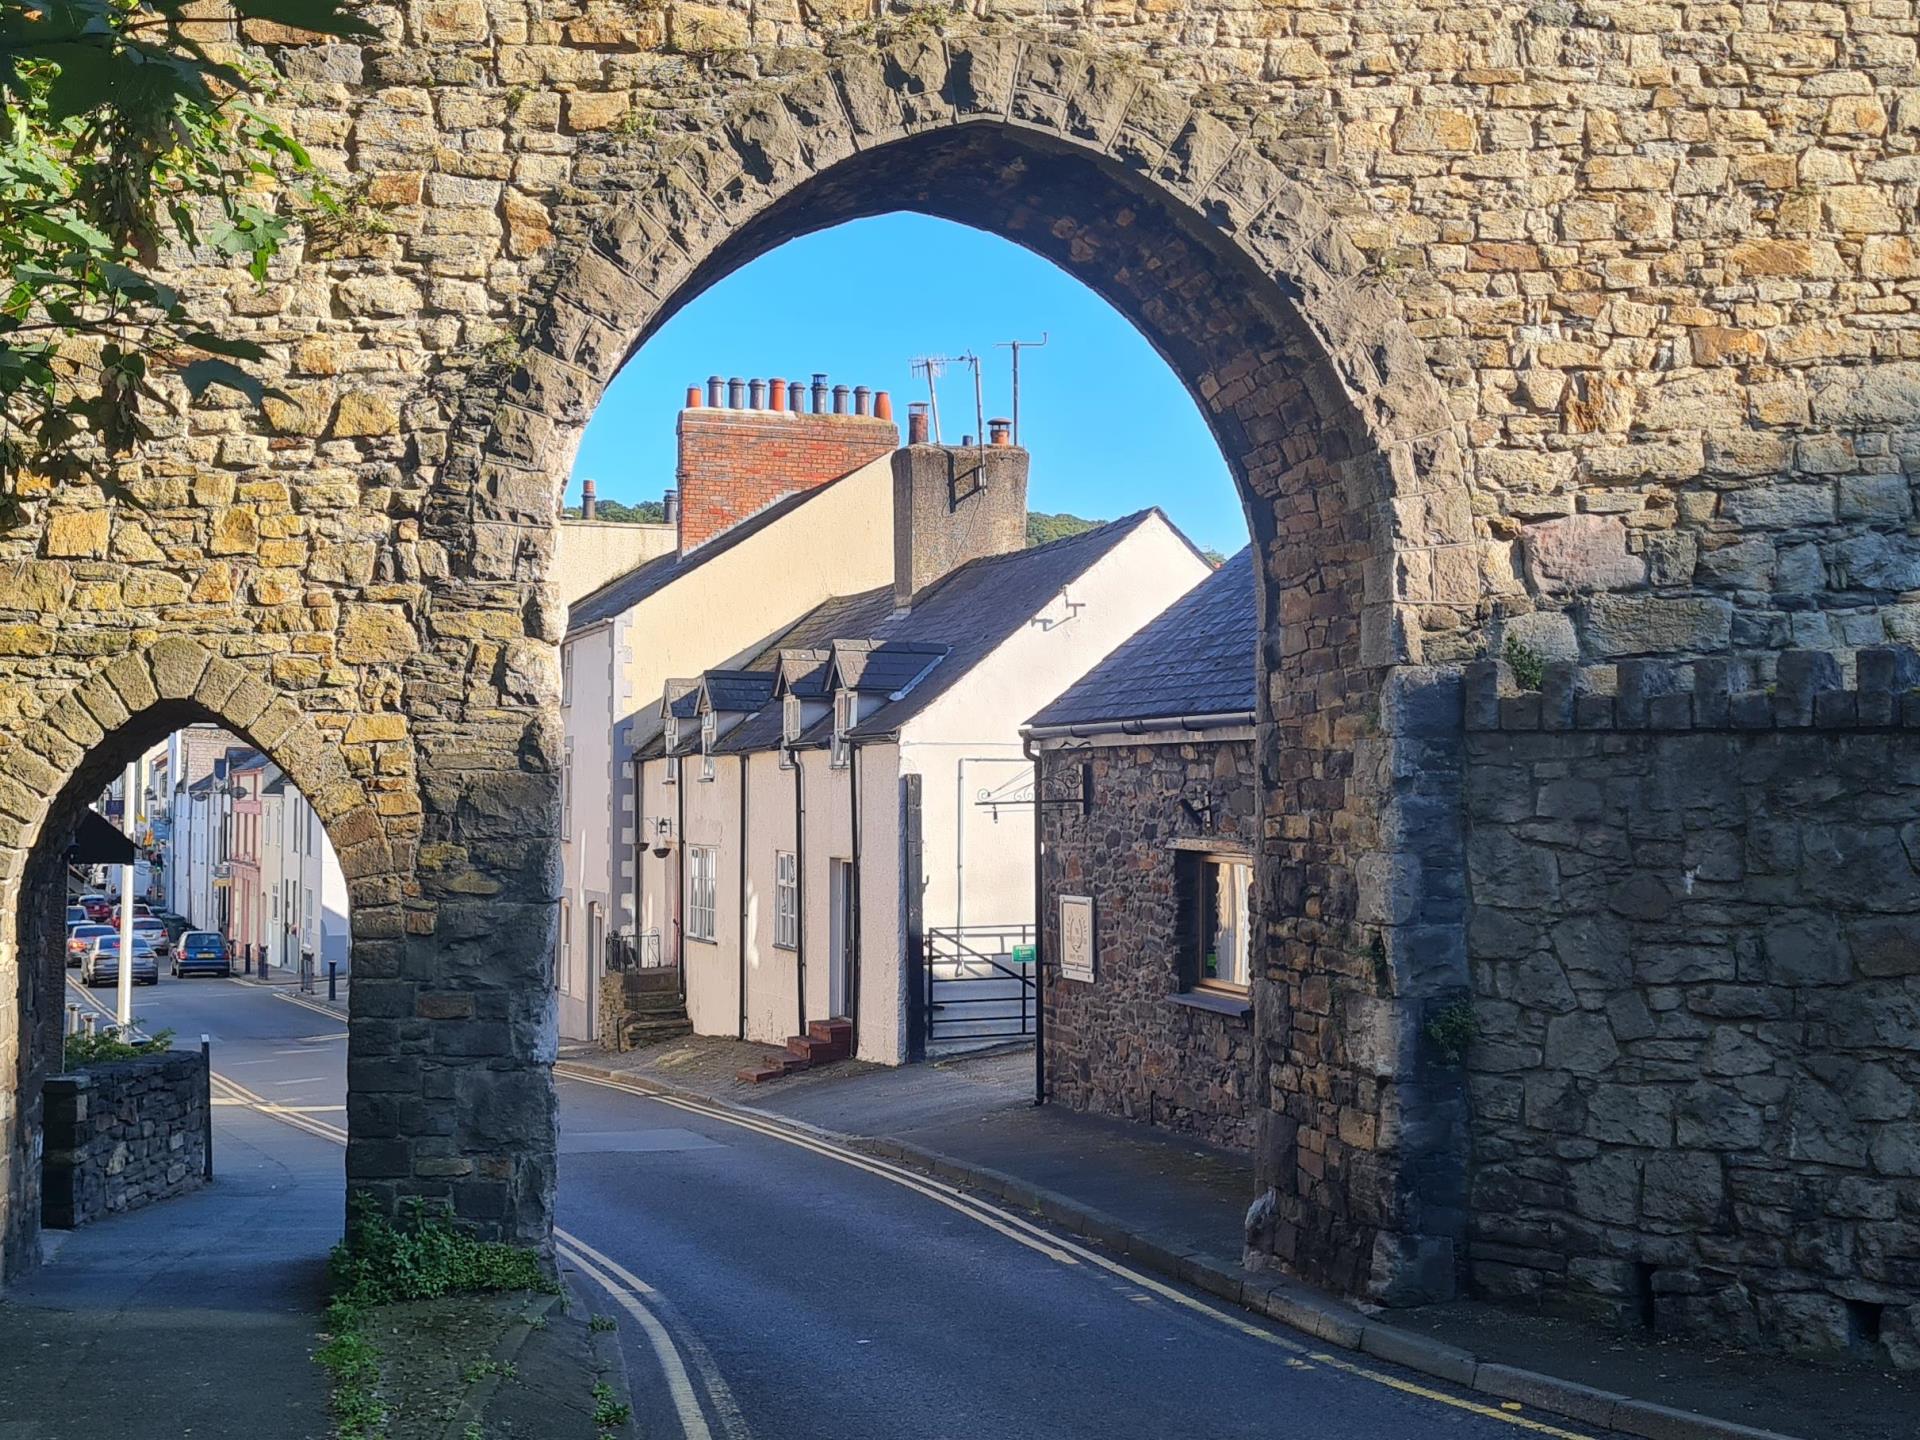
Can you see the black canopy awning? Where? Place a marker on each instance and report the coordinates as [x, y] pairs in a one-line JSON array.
[[96, 842]]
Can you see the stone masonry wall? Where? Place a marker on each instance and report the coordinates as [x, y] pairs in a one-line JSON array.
[[1591, 324], [1124, 1045], [123, 1134], [1696, 980]]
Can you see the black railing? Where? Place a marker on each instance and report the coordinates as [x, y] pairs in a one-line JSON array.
[[628, 951], [979, 984]]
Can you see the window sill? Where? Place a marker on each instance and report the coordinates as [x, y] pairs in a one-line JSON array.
[[790, 949], [702, 939], [1219, 1002]]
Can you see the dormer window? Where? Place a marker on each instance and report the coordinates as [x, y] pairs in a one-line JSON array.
[[673, 746], [707, 733], [845, 711], [789, 730]]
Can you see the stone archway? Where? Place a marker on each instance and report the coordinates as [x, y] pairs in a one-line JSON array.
[[1349, 465], [89, 734]]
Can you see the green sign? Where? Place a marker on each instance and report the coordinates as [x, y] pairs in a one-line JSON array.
[[1023, 954]]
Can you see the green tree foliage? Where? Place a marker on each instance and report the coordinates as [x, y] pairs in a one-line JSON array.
[[128, 131], [646, 512], [1044, 529]]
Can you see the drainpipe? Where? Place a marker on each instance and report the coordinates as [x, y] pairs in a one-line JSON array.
[[853, 919], [743, 892], [1039, 932], [680, 877], [799, 894]]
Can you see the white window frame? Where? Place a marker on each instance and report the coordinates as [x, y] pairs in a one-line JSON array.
[[566, 795], [566, 675], [786, 901], [672, 776], [789, 729], [846, 714], [702, 902], [709, 728]]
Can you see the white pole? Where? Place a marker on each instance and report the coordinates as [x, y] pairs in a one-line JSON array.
[[124, 1010]]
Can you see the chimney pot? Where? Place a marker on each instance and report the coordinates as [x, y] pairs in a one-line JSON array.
[[586, 500], [839, 399], [819, 392], [861, 395], [776, 394], [797, 396], [966, 442], [1000, 432], [882, 405], [756, 394], [736, 393], [670, 507], [713, 391], [693, 397], [917, 422]]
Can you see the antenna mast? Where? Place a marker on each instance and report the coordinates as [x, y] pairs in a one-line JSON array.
[[932, 366], [1017, 346]]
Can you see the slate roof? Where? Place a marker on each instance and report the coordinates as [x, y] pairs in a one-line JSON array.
[[625, 591], [955, 624], [1195, 658], [734, 691]]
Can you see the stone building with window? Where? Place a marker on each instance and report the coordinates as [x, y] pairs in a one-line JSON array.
[[1150, 819]]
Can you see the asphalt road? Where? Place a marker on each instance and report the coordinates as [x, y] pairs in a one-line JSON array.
[[770, 1286]]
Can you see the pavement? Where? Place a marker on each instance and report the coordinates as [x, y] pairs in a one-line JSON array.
[[1176, 1207]]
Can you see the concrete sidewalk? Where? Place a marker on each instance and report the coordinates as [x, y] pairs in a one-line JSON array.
[[195, 1317], [1178, 1207]]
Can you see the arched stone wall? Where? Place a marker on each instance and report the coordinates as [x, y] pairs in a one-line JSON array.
[[1588, 330], [1346, 458]]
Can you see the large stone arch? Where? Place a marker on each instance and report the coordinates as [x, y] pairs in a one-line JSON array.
[[1235, 266], [59, 766]]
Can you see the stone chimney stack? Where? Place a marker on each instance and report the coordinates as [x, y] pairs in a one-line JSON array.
[[953, 504], [748, 443]]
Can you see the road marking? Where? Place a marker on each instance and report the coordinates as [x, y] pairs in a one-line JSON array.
[[686, 1404], [719, 1394], [1006, 1221]]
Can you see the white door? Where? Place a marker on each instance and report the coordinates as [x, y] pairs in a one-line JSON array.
[[839, 935]]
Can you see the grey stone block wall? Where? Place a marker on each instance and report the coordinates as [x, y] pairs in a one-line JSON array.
[[123, 1134], [1123, 1045], [1695, 958]]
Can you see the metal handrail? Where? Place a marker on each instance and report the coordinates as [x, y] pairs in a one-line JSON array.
[[628, 951]]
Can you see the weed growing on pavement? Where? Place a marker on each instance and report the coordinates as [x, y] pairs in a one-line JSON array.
[[601, 1323], [423, 1258], [607, 1410], [349, 1357]]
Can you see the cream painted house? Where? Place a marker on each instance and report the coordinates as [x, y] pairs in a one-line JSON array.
[[813, 820], [776, 510]]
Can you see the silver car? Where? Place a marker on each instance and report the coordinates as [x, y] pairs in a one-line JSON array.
[[155, 933], [102, 965]]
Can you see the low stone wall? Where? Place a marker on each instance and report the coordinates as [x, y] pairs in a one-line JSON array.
[[1124, 1045], [639, 1007], [1695, 945], [123, 1134]]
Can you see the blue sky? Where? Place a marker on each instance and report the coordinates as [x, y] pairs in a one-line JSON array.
[[1110, 428]]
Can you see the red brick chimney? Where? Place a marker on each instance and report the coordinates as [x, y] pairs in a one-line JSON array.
[[735, 459]]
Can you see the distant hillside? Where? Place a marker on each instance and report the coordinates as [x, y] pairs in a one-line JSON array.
[[647, 512], [1043, 529]]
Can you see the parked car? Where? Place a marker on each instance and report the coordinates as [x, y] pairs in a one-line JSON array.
[[177, 924], [80, 940], [102, 965], [140, 912], [154, 931], [98, 907], [76, 915], [202, 952]]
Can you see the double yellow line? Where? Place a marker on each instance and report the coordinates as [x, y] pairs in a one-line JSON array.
[[1067, 1252]]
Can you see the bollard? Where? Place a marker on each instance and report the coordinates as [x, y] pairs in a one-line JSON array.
[[206, 1066], [73, 1019], [89, 1018], [333, 982]]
